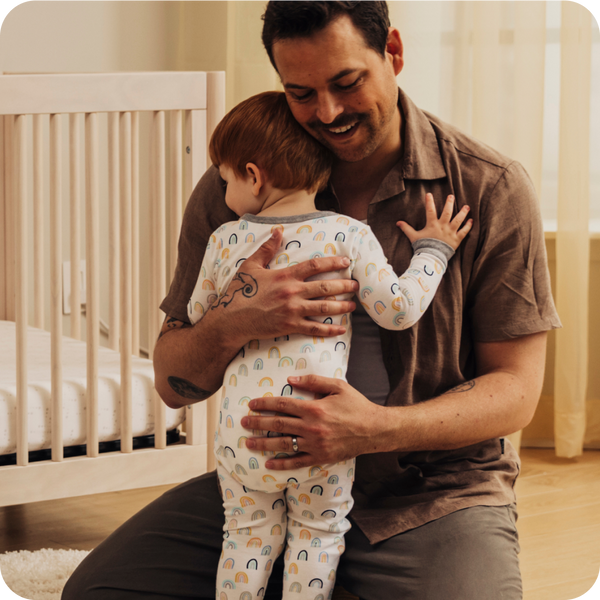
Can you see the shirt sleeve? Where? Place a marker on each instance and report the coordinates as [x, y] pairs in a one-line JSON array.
[[205, 291], [509, 293], [394, 302]]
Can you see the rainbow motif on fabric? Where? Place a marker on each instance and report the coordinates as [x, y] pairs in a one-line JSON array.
[[379, 307]]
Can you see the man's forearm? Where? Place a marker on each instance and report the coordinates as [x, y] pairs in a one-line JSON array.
[[499, 402], [487, 407], [190, 361]]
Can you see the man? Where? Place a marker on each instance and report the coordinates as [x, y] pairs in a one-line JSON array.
[[434, 508]]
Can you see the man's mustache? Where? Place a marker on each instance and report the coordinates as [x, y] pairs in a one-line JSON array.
[[341, 121]]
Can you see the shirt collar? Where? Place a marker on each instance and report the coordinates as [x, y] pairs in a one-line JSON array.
[[421, 159]]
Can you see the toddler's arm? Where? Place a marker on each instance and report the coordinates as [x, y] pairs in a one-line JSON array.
[[205, 292], [398, 302]]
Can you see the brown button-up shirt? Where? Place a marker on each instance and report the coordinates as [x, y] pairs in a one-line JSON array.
[[496, 288]]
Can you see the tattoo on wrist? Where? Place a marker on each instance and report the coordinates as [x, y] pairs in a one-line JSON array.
[[187, 389], [463, 387], [242, 282]]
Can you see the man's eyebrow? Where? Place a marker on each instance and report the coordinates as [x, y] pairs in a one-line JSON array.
[[337, 76]]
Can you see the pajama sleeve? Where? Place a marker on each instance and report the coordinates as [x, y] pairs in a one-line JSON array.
[[205, 292], [395, 302]]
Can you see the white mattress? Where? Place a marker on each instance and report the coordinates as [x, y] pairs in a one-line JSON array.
[[74, 392]]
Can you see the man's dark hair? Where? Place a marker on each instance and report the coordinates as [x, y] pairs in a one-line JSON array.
[[285, 20]]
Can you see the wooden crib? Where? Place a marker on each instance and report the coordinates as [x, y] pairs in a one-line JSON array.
[[124, 150]]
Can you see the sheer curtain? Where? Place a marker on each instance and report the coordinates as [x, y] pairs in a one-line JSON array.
[[518, 76]]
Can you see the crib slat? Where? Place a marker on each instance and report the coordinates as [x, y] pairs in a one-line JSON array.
[[215, 104], [3, 225], [92, 277], [195, 149], [21, 296], [135, 231], [9, 178], [55, 283], [75, 220], [160, 272], [113, 231], [38, 223], [126, 296], [195, 165], [176, 172]]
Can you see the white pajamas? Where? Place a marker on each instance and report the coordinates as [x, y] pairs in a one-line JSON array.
[[309, 505]]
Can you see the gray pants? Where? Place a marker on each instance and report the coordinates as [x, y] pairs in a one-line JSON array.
[[170, 550]]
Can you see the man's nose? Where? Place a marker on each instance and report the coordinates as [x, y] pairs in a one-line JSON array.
[[328, 109]]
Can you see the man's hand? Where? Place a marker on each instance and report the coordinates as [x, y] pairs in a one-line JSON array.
[[340, 425], [279, 301]]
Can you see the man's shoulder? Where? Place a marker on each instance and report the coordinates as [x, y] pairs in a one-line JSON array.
[[454, 140]]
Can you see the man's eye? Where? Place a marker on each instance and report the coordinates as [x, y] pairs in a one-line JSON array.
[[300, 96], [351, 85]]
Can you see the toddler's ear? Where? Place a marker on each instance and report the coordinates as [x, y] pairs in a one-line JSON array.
[[258, 177]]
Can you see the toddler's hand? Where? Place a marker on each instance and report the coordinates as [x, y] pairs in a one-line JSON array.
[[444, 229]]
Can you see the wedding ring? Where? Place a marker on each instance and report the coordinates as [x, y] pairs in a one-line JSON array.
[[294, 443]]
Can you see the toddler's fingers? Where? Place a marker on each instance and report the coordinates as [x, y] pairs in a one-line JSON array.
[[460, 216], [408, 231], [461, 234], [430, 209], [446, 215]]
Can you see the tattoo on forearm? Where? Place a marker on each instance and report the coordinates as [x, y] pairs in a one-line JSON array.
[[242, 282], [187, 389], [170, 323], [463, 387]]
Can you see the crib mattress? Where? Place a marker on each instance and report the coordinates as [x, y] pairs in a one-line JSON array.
[[74, 392]]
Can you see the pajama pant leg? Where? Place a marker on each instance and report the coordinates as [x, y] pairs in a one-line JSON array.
[[255, 524], [317, 511]]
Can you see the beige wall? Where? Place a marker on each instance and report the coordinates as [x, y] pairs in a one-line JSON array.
[[88, 36]]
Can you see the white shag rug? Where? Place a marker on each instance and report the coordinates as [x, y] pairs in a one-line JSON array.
[[39, 575]]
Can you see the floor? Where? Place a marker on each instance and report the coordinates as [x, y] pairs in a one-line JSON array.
[[559, 524]]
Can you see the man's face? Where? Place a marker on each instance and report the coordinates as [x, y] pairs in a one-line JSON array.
[[341, 91]]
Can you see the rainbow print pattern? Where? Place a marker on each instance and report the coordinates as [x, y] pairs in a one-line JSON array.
[[310, 519]]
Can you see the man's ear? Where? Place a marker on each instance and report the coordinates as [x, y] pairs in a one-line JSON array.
[[258, 177], [395, 49]]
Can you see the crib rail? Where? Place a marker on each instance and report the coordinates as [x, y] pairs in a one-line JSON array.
[[188, 106]]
